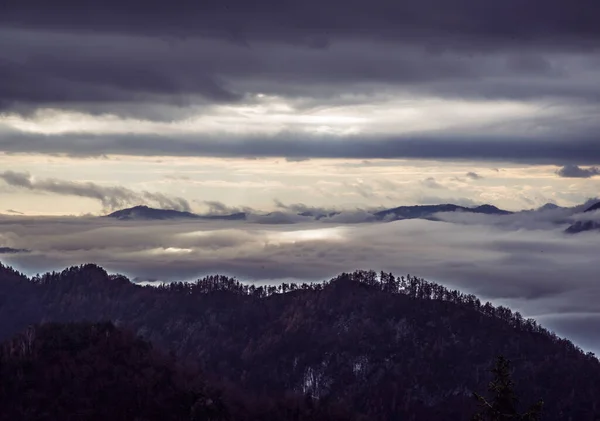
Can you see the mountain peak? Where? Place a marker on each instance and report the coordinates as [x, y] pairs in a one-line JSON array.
[[485, 208], [143, 212], [548, 206]]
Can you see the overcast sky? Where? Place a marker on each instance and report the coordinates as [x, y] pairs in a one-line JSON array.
[[227, 105], [328, 102]]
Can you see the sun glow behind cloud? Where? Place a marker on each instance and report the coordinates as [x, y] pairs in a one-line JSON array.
[[306, 235], [172, 250], [270, 115]]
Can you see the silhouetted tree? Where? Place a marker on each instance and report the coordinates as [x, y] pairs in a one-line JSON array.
[[503, 405]]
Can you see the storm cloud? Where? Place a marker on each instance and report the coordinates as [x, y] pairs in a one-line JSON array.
[[318, 76], [157, 78], [511, 21]]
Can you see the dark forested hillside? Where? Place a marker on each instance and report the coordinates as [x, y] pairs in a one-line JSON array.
[[98, 372], [93, 372], [385, 347]]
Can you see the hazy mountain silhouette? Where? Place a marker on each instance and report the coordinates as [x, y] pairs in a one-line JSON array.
[[548, 206], [148, 213], [402, 212], [588, 225], [593, 207], [144, 212], [428, 211], [583, 226]]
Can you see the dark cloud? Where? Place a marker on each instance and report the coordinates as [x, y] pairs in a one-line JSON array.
[[153, 77], [575, 171], [110, 197], [87, 77], [314, 22], [551, 149], [169, 63], [473, 175]]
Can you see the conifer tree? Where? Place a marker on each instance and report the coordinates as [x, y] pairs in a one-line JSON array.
[[504, 401]]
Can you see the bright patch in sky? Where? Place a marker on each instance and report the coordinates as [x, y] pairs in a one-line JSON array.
[[271, 115], [298, 236]]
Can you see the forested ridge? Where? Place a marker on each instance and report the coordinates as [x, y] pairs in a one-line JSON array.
[[385, 347]]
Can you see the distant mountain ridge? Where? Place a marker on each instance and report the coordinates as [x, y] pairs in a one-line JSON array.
[[428, 211], [402, 212], [147, 213]]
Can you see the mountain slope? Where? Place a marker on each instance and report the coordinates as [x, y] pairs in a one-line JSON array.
[[389, 348], [593, 208], [585, 225]]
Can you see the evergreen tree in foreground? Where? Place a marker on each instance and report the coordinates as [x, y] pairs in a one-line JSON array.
[[503, 404]]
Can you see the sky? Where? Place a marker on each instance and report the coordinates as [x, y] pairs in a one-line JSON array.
[[221, 106], [328, 103]]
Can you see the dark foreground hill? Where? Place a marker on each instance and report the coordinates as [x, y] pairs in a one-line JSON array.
[[385, 347], [90, 372], [93, 372]]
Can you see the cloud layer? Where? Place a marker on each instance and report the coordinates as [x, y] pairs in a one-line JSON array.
[[418, 79], [509, 22], [444, 146], [524, 261], [110, 197]]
